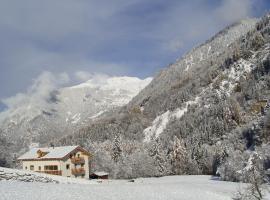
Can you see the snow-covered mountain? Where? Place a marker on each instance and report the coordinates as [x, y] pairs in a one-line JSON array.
[[206, 113], [62, 111], [94, 97]]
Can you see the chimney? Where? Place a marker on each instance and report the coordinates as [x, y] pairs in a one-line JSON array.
[[52, 145]]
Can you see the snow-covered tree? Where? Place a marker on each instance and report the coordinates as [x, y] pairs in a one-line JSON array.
[[157, 152], [116, 148], [253, 174], [178, 156]]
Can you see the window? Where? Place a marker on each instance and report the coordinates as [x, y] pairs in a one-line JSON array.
[[25, 167], [39, 168], [67, 166], [31, 167], [50, 167], [78, 155], [82, 165]]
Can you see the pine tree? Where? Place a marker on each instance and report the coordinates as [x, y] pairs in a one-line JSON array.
[[158, 154], [116, 149]]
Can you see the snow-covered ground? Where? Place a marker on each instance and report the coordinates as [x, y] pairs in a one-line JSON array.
[[21, 185], [29, 176], [171, 187]]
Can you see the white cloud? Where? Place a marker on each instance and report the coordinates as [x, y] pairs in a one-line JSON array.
[[189, 23], [56, 20], [39, 91], [91, 24], [233, 10], [83, 75]]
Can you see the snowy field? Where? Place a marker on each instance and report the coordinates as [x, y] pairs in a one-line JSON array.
[[165, 188]]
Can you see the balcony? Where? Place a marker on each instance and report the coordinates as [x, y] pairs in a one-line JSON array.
[[77, 160], [77, 172], [52, 172]]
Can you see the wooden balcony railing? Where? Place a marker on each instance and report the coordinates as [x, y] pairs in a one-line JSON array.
[[79, 171], [77, 160], [52, 172]]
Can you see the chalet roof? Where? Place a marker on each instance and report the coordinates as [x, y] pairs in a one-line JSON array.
[[51, 153]]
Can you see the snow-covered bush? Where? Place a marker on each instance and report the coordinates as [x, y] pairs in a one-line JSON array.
[[231, 169]]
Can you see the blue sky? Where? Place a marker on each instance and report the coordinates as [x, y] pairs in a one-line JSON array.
[[76, 39]]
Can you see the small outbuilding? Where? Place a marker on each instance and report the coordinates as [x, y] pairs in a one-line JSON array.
[[99, 175]]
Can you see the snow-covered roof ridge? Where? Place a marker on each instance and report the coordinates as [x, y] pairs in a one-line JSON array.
[[101, 173], [51, 153]]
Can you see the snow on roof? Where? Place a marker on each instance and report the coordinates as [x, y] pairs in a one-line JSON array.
[[101, 173], [52, 153]]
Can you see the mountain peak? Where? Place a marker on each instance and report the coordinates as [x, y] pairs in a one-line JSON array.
[[72, 107]]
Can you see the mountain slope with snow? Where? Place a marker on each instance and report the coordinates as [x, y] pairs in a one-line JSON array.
[[95, 97], [206, 113], [62, 111]]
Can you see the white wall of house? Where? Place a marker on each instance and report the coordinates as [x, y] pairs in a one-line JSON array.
[[66, 172], [41, 164]]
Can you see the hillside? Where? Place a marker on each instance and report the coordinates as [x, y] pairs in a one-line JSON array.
[[204, 114]]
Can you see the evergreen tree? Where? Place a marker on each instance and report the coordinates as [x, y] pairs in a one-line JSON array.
[[158, 154], [116, 149]]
